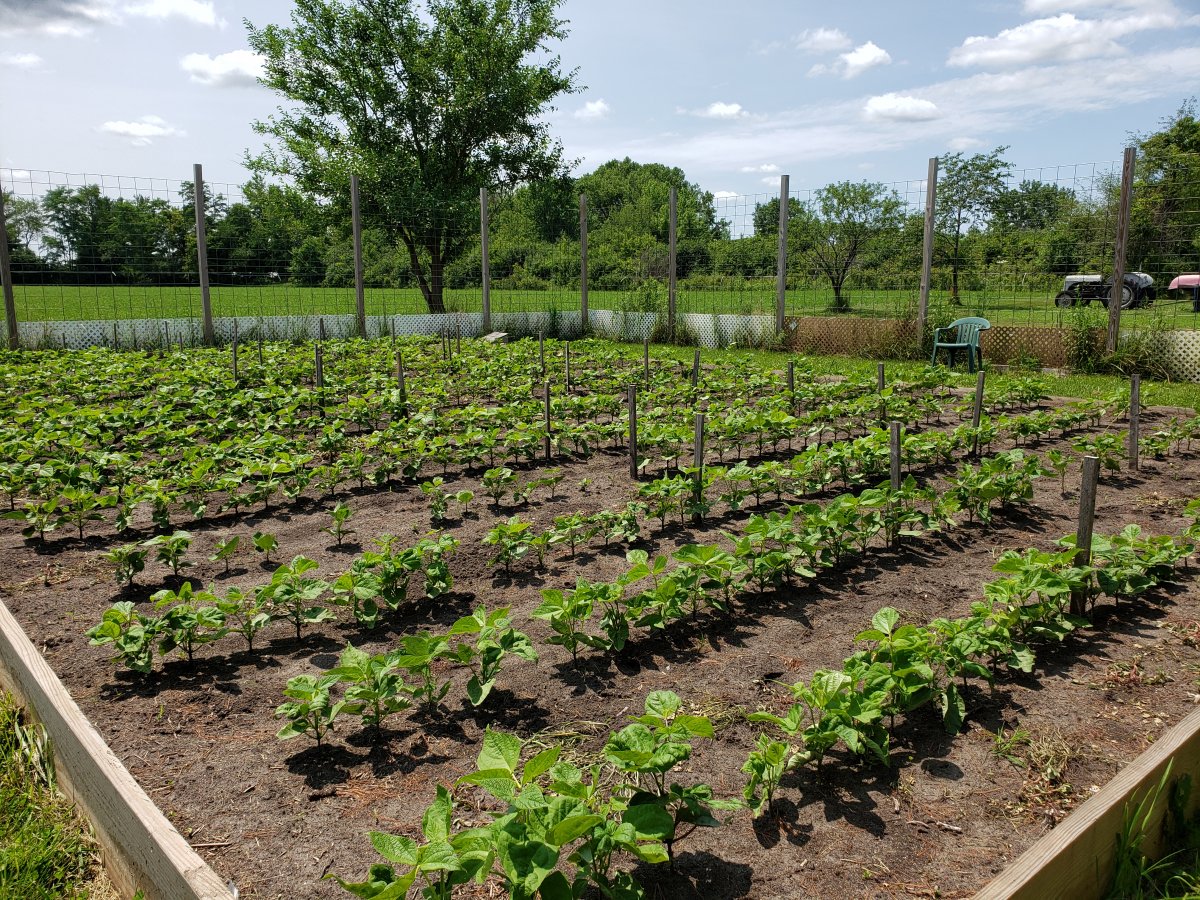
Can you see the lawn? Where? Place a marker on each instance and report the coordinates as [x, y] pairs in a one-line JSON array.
[[122, 302]]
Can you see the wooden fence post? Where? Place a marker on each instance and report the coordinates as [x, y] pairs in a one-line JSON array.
[[10, 303], [401, 386], [360, 303], [546, 439], [672, 228], [698, 465], [781, 254], [927, 249], [1118, 287], [894, 446], [202, 255], [1135, 417], [583, 272], [631, 396], [486, 270], [977, 412], [1087, 519], [321, 329]]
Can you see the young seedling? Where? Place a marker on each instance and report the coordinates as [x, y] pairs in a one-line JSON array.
[[338, 528], [265, 543], [244, 614], [376, 689], [171, 549], [130, 559], [225, 551], [311, 710]]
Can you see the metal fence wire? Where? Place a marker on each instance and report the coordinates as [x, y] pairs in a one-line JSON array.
[[1039, 250]]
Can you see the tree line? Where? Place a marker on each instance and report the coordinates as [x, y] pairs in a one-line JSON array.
[[430, 101]]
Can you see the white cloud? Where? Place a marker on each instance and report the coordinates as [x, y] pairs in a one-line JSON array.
[[201, 12], [822, 40], [143, 131], [237, 68], [593, 109], [724, 195], [1003, 104], [1061, 38], [959, 144], [850, 65], [55, 18], [765, 167], [900, 108], [721, 110], [20, 60]]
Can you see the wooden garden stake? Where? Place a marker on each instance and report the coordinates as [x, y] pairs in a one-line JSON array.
[[400, 384], [567, 349], [1135, 415], [791, 380], [114, 335], [646, 360], [895, 451], [633, 440], [546, 439], [321, 329], [696, 368], [320, 367], [880, 380], [260, 361], [542, 351], [1087, 518], [977, 413], [698, 464]]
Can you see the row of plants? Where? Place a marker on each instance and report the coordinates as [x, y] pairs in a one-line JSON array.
[[560, 830], [375, 686], [1041, 597], [231, 451], [186, 619], [772, 551]]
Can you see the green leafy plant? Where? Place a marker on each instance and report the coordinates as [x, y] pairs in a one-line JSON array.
[[375, 690], [265, 543], [133, 636], [170, 549], [225, 551], [310, 709], [338, 529], [130, 560], [495, 639], [294, 597], [192, 619]]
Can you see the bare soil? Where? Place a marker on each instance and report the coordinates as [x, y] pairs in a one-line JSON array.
[[275, 816]]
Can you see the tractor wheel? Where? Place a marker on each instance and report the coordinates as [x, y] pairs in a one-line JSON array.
[[1064, 299], [1127, 296]]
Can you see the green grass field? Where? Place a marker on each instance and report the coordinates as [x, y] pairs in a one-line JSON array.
[[123, 302]]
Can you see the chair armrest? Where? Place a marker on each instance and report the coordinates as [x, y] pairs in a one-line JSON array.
[[937, 332]]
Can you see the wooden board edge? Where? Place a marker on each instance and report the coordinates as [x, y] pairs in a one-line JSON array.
[[140, 847], [1075, 860]]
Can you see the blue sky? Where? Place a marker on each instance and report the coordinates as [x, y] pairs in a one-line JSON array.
[[733, 93]]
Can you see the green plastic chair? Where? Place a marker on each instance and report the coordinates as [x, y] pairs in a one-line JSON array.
[[966, 337]]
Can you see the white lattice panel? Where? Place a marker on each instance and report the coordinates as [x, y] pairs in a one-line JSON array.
[[1181, 353]]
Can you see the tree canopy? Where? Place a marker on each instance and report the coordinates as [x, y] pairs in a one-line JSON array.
[[426, 101]]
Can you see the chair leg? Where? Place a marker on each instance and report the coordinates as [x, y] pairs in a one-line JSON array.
[[970, 361]]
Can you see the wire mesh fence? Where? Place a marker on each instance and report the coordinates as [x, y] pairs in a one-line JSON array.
[[1029, 247]]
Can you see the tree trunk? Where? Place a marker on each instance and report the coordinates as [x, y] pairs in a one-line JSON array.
[[431, 285], [954, 267], [839, 302]]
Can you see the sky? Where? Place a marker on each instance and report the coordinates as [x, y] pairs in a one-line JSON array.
[[735, 94]]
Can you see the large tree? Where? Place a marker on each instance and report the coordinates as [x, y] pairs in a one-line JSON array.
[[968, 190], [850, 219], [426, 101], [1164, 230]]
